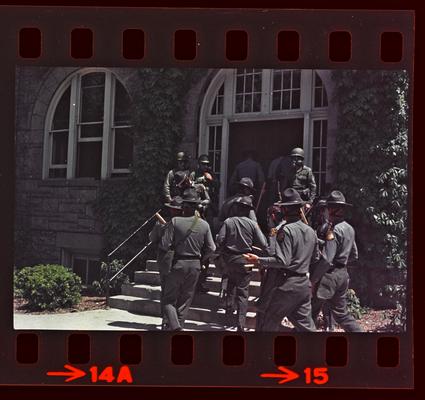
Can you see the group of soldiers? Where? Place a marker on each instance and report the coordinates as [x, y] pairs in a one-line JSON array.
[[303, 270]]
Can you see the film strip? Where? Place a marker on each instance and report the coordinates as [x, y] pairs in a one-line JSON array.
[[59, 43]]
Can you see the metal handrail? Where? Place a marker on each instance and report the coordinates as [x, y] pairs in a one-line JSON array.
[[137, 230], [108, 281], [126, 265]]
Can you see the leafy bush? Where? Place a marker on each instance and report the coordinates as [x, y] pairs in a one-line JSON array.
[[115, 285], [371, 168], [354, 306], [48, 287], [398, 292]]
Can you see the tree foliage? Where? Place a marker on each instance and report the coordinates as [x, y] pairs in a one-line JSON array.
[[371, 161], [158, 101]]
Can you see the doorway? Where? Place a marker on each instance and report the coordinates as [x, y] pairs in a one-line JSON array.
[[269, 140]]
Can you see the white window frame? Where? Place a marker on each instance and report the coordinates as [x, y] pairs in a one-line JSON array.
[[313, 120], [290, 90], [313, 90], [108, 133], [307, 112]]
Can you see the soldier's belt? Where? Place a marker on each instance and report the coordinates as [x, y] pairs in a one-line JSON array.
[[182, 258], [290, 273]]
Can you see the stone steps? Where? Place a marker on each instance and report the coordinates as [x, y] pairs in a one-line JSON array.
[[213, 282], [151, 265], [143, 297], [154, 292], [152, 307]]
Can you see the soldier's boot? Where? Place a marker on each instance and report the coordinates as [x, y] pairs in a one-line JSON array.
[[222, 299], [201, 286]]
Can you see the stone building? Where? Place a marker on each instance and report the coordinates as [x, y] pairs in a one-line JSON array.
[[71, 129]]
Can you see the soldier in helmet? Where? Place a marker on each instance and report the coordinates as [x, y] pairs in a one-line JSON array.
[[299, 177], [170, 184], [246, 188], [237, 236], [331, 276], [204, 175]]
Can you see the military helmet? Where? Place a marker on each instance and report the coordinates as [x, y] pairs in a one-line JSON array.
[[181, 156], [297, 152], [245, 201], [247, 182], [203, 159]]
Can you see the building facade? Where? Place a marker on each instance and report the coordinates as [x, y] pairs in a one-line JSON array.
[[72, 130]]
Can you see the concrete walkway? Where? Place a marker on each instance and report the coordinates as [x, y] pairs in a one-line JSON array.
[[101, 320]]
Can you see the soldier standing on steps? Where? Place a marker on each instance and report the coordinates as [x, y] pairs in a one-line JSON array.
[[246, 188], [237, 236], [170, 184], [174, 208], [331, 278], [298, 176], [190, 238], [293, 249]]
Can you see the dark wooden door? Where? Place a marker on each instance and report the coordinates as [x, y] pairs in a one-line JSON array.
[[269, 140]]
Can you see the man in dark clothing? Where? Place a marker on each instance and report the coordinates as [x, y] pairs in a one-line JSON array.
[[190, 238], [292, 249], [248, 168], [331, 277], [276, 168], [170, 184], [174, 209], [237, 236], [298, 176]]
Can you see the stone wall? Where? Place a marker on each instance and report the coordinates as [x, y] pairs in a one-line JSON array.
[[45, 209], [56, 215]]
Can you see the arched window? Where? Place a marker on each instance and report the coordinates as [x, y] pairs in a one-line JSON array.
[[88, 129]]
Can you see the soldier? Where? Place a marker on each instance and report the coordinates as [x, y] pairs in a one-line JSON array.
[[331, 277], [191, 239], [170, 189], [299, 177], [174, 209], [237, 236], [183, 181], [281, 163], [246, 188], [205, 176], [292, 251], [248, 168]]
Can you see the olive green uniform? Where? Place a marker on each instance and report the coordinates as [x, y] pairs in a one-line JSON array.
[[333, 285], [287, 290]]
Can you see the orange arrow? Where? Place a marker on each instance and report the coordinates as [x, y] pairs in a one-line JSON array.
[[73, 373], [287, 375]]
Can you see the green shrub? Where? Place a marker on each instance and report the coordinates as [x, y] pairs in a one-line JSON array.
[[115, 285], [354, 306], [48, 287]]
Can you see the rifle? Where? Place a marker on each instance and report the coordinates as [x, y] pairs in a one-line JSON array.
[[263, 189]]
